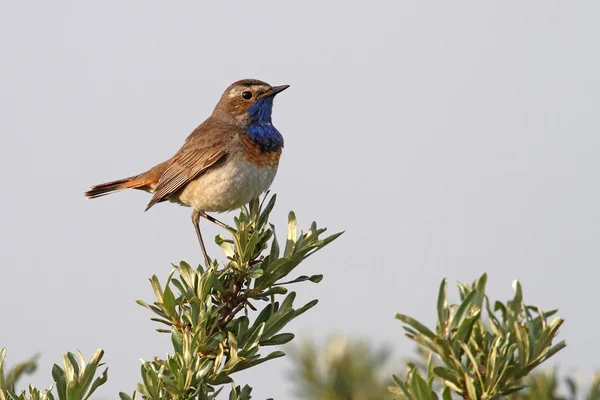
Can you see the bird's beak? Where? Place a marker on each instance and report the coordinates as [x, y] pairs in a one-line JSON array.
[[275, 89]]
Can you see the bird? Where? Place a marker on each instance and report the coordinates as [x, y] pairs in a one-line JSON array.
[[228, 160]]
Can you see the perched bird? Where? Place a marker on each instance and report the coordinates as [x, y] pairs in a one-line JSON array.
[[227, 161]]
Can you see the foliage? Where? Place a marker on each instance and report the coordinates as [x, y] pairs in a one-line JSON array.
[[74, 382], [467, 356], [475, 359], [23, 368], [220, 316], [317, 375], [343, 370], [207, 312], [201, 308], [546, 386]]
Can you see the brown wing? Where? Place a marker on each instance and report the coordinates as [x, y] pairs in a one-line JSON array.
[[207, 145]]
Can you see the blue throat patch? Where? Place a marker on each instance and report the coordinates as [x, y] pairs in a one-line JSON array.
[[260, 130]]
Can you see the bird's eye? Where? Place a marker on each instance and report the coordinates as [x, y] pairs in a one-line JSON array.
[[246, 95]]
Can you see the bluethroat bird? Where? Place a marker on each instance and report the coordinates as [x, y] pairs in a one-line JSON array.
[[227, 161]]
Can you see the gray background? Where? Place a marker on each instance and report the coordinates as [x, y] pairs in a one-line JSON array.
[[447, 139]]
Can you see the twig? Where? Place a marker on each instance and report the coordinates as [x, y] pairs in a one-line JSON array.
[[235, 303]]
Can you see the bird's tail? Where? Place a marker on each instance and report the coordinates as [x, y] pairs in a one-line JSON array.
[[110, 187]]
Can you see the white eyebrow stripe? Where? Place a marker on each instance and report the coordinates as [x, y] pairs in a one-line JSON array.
[[237, 91]]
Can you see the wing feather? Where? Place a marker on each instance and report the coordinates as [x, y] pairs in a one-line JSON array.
[[205, 147]]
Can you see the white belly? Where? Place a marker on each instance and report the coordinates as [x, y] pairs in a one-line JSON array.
[[228, 187]]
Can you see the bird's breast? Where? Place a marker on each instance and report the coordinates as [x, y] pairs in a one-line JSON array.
[[229, 186], [255, 154]]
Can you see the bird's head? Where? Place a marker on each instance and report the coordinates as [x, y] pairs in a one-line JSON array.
[[248, 101]]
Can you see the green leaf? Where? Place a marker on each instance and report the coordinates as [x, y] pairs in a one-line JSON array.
[[274, 253], [251, 246], [277, 322], [305, 307], [156, 288], [74, 391], [252, 363], [417, 325], [225, 245], [69, 369], [90, 369], [209, 282], [555, 349], [287, 304], [266, 212], [292, 235], [97, 383], [493, 364], [204, 367], [213, 341], [73, 361], [522, 340], [222, 378], [446, 395], [177, 340], [442, 307], [263, 316], [419, 387], [402, 387], [3, 385], [273, 291], [169, 302], [257, 273], [151, 308], [463, 333], [479, 286], [463, 310], [60, 380], [447, 375], [255, 337], [279, 339], [511, 389], [469, 382], [331, 238], [303, 278]]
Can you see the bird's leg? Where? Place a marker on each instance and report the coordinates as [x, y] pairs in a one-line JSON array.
[[196, 222], [217, 222]]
